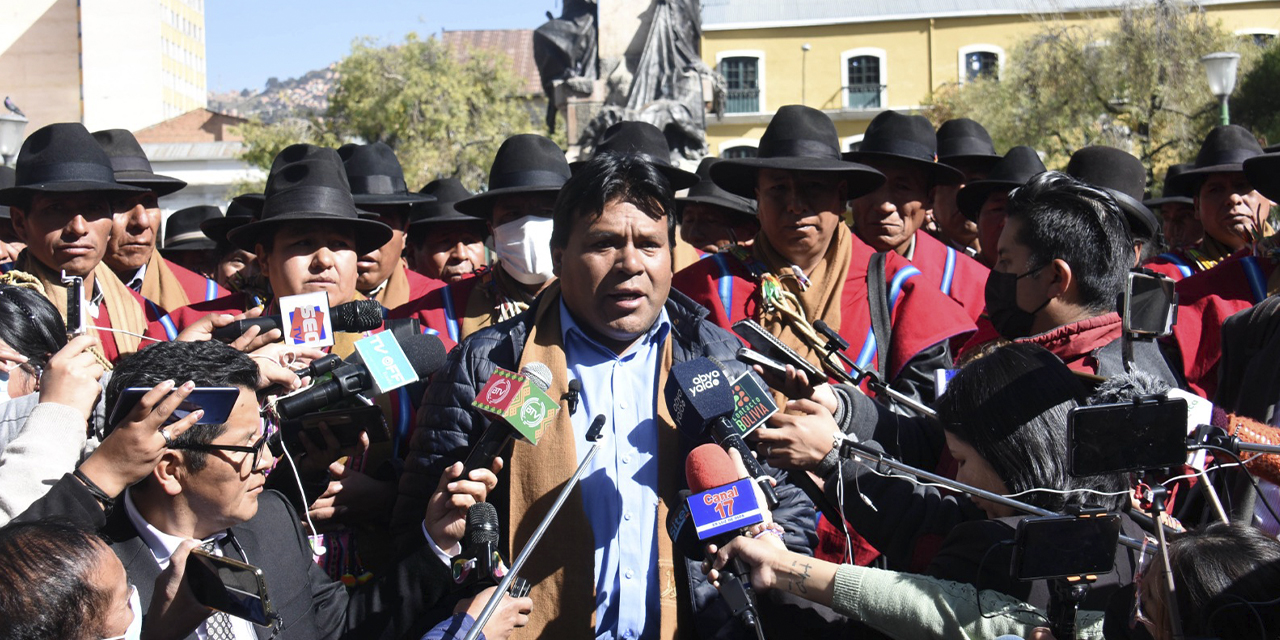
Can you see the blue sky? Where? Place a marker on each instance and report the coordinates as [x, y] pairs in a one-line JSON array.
[[248, 41]]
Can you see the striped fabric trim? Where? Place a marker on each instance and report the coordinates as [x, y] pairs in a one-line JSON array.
[[949, 272], [1183, 267], [1257, 281], [724, 284], [868, 353], [210, 289], [450, 317]]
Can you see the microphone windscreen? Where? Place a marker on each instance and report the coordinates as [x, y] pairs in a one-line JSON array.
[[482, 524], [1220, 418], [357, 316], [697, 392], [537, 373], [425, 352], [1125, 387], [708, 467]]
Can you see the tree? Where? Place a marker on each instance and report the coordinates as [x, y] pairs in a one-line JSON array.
[[1254, 104], [1137, 86], [444, 112]]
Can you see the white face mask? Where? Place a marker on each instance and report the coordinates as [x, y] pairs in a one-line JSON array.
[[4, 386], [134, 632], [524, 246]]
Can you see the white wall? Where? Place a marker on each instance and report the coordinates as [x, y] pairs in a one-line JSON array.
[[121, 58]]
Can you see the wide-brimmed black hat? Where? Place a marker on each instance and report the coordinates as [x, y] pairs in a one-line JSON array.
[[897, 136], [525, 163], [446, 193], [1173, 192], [1224, 150], [287, 155], [376, 176], [311, 190], [1017, 166], [182, 231], [1121, 175], [1263, 173], [706, 192], [647, 141], [131, 165], [62, 158], [238, 214], [798, 138], [965, 143]]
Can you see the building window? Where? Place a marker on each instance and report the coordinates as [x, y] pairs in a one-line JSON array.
[[980, 61], [1261, 37], [739, 152], [743, 72], [863, 71]]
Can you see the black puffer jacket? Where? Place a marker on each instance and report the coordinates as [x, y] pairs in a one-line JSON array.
[[447, 430]]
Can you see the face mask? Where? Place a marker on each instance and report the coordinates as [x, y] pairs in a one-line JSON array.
[[1002, 305], [134, 632], [4, 386], [524, 246]]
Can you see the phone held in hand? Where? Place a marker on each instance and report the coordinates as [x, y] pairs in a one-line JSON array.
[[345, 424], [217, 403], [77, 325], [230, 586]]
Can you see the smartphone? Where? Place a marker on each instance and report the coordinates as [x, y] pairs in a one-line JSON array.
[[1065, 546], [1150, 304], [767, 345], [76, 323], [217, 403], [749, 357], [1112, 438], [345, 424], [230, 586]]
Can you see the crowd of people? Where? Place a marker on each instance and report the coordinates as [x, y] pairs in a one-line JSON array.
[[980, 301]]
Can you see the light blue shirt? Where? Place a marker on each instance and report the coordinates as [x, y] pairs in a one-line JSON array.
[[620, 488]]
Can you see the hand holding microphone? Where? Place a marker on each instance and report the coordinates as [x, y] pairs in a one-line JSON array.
[[446, 517]]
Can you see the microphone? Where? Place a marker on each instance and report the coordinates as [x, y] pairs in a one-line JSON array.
[[424, 352], [575, 388], [517, 405], [353, 317], [700, 398], [480, 563]]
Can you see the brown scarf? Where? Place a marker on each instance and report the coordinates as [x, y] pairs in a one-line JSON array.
[[124, 311], [496, 297], [822, 299], [683, 255], [564, 592], [397, 290], [161, 285]]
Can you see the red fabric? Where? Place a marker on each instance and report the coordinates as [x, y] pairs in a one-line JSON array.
[[420, 285], [193, 284], [921, 317], [832, 546], [232, 303], [1165, 267], [109, 350], [986, 333], [1076, 343], [1205, 301], [430, 308], [968, 279]]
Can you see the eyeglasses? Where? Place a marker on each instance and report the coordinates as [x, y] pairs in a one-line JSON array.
[[255, 448]]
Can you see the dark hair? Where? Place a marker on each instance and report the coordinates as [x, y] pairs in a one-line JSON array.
[[610, 177], [47, 569], [1226, 579], [1011, 406], [30, 324], [1064, 218], [208, 363]]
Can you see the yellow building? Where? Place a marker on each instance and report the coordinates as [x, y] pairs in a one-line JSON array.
[[855, 59]]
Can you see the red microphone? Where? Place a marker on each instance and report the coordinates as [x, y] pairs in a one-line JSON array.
[[709, 466]]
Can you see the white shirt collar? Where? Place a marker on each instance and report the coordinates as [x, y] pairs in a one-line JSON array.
[[161, 544]]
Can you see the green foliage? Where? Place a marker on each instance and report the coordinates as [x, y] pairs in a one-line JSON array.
[[1137, 86], [444, 114], [1256, 97]]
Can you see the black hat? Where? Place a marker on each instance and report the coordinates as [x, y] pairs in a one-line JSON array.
[[446, 192], [1224, 150], [895, 136], [311, 190], [525, 163], [963, 142], [375, 175], [1172, 191], [62, 158], [707, 192], [237, 214], [291, 153], [647, 141], [798, 138], [1263, 173], [1121, 175], [130, 163], [6, 181], [1017, 166], [183, 232]]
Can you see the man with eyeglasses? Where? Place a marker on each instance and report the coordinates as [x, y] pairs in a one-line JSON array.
[[205, 482]]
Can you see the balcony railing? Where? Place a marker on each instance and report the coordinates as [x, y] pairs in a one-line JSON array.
[[742, 101], [864, 96]]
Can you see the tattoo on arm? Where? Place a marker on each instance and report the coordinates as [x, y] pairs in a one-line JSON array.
[[797, 577]]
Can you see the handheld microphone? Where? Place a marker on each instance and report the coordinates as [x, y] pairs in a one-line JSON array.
[[480, 564], [425, 354], [700, 398], [514, 409], [353, 317]]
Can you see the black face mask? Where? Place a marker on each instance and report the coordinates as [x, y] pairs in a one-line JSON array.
[[1006, 316]]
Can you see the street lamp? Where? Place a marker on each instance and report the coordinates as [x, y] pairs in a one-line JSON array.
[[1221, 69], [11, 127]]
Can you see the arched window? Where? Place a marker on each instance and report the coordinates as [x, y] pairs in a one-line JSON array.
[[863, 71], [738, 148], [1259, 36], [743, 72], [980, 61]]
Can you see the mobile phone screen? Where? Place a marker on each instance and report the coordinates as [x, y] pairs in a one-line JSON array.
[[230, 587], [1063, 546], [1126, 437]]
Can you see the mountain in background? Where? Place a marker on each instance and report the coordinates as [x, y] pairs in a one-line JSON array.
[[295, 97]]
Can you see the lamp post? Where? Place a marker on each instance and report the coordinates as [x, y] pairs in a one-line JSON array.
[[804, 68], [1221, 69], [11, 127]]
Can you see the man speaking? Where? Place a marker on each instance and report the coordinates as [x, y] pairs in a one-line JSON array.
[[612, 323]]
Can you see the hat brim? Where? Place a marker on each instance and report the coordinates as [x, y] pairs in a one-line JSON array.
[[1262, 172], [481, 204], [13, 195], [1139, 218], [1192, 177], [1155, 202], [200, 244], [449, 216], [736, 207], [941, 173], [369, 234], [160, 185], [217, 228], [980, 162], [974, 194], [391, 198], [738, 175]]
